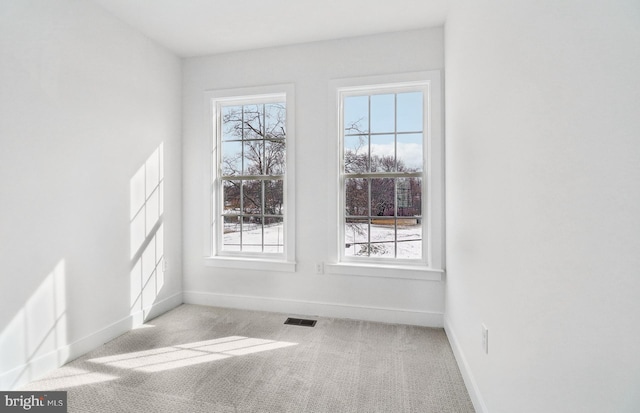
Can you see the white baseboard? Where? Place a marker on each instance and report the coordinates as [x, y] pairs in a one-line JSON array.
[[469, 381], [310, 308], [38, 367], [156, 309]]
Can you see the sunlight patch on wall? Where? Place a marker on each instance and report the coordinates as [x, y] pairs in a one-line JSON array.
[[182, 355], [39, 328], [45, 314], [147, 231]]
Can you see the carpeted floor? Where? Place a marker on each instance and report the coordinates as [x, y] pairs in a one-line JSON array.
[[205, 359]]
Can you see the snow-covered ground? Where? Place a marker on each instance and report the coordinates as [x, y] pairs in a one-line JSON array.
[[409, 239], [252, 238]]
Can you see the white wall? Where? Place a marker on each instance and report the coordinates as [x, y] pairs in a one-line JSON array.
[[543, 206], [310, 67], [84, 102]]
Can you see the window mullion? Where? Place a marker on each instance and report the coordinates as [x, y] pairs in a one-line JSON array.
[[395, 180], [263, 130], [395, 218], [218, 207], [262, 183], [241, 216], [369, 220], [242, 181], [385, 175], [263, 170]]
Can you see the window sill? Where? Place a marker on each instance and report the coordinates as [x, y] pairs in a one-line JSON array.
[[386, 271], [251, 264]]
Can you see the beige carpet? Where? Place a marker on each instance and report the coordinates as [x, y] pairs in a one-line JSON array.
[[204, 359]]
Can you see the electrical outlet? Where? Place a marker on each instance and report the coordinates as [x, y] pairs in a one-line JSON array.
[[485, 339], [319, 268], [164, 265]]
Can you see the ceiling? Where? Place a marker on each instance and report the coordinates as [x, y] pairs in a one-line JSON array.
[[201, 27]]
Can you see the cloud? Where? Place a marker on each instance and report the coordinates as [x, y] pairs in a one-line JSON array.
[[409, 153]]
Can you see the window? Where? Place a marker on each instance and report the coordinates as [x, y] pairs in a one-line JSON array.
[[382, 173], [251, 209], [389, 174], [252, 167]]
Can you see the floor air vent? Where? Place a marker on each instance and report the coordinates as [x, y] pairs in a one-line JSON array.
[[300, 322]]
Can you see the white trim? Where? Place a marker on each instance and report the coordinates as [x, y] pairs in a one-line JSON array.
[[465, 370], [279, 262], [42, 365], [250, 263], [407, 272], [434, 173], [315, 308], [156, 309]]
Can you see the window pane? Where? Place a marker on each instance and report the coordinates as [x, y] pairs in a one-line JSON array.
[[231, 158], [253, 157], [273, 197], [409, 239], [382, 153], [356, 154], [252, 197], [356, 237], [231, 234], [409, 112], [382, 249], [409, 195], [253, 122], [273, 235], [382, 237], [275, 116], [231, 197], [274, 157], [231, 123], [382, 113], [356, 197], [251, 234], [356, 114], [382, 197], [409, 147]]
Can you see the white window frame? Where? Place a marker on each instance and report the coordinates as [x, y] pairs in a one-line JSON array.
[[431, 266], [214, 256]]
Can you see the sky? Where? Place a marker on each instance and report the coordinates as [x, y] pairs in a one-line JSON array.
[[377, 115]]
